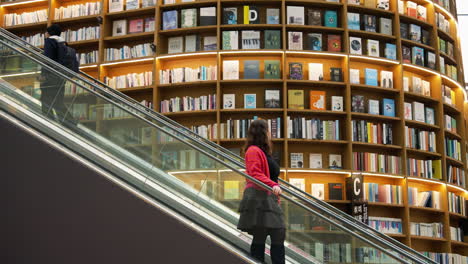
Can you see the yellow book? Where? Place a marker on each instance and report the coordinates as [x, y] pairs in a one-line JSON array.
[[437, 169], [453, 96], [246, 15], [296, 99], [231, 190], [369, 132]]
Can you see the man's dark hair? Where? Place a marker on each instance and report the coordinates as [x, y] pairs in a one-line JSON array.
[[54, 30]]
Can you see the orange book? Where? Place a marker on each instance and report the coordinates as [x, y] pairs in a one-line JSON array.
[[317, 100]]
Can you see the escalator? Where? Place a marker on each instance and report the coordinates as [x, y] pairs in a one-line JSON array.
[[172, 166]]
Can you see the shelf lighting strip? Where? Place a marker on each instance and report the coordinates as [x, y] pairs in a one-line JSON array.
[[382, 175], [23, 3], [320, 171], [185, 55], [425, 180], [457, 187], [88, 66], [316, 53], [374, 59]]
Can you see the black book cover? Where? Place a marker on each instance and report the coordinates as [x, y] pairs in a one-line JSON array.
[[335, 191], [207, 20], [336, 74], [426, 37], [370, 23], [404, 30], [314, 17], [406, 53]]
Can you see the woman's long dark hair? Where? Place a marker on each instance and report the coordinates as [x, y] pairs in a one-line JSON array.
[[257, 135]]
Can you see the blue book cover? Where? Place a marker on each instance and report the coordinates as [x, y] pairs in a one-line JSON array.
[[170, 20], [390, 51], [251, 69], [331, 18], [315, 41], [388, 107], [354, 22], [250, 101], [418, 56], [371, 77]]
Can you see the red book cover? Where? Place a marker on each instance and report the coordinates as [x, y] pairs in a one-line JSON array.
[[136, 26], [334, 43]]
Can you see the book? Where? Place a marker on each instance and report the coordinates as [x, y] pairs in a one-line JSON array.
[[295, 71], [337, 103], [175, 44], [355, 45], [408, 113], [388, 106], [297, 182], [336, 74], [169, 20], [383, 4], [230, 40], [295, 40], [273, 16], [334, 43], [386, 79], [370, 3], [431, 60], [357, 104], [374, 107], [250, 39], [251, 15], [406, 54], [231, 70], [411, 9], [231, 190], [417, 56], [425, 37], [230, 15], [334, 161], [354, 2], [430, 115], [317, 100], [426, 88], [116, 5], [415, 32], [318, 190], [315, 160], [136, 25], [316, 71], [191, 43], [385, 26], [418, 112], [188, 17], [404, 30], [390, 51], [405, 84], [119, 27], [210, 43], [148, 3], [421, 13], [149, 24], [272, 99], [296, 99], [295, 15], [354, 76], [370, 23], [314, 17], [354, 22], [371, 77], [335, 190], [315, 41], [132, 4], [207, 16], [251, 69], [297, 161], [373, 48], [416, 85], [272, 69], [229, 101], [272, 39], [250, 101], [169, 160], [331, 18]]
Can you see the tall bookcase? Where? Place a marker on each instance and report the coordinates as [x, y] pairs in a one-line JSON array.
[[345, 145]]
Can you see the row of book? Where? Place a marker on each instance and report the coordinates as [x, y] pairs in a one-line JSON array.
[[79, 111], [71, 89], [14, 19], [272, 100], [250, 39], [188, 103], [369, 23], [189, 17], [88, 57], [427, 229], [313, 42], [121, 5], [453, 148], [301, 128], [383, 193], [442, 23], [84, 33], [123, 27], [358, 105], [330, 253], [317, 190], [296, 16], [317, 101], [250, 15], [430, 199], [448, 69], [127, 52], [369, 132], [415, 33], [130, 136], [450, 123], [420, 139], [206, 131], [315, 161], [237, 129], [375, 162], [111, 111], [412, 9], [315, 71], [85, 9], [456, 233], [370, 47], [373, 255], [189, 160], [430, 169], [419, 112], [381, 4], [271, 69], [386, 225], [447, 4], [186, 74], [371, 77], [35, 40], [419, 56], [456, 203], [446, 258], [456, 175], [192, 43], [130, 80], [446, 47], [418, 86]]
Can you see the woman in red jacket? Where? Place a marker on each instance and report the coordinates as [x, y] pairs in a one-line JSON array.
[[260, 213]]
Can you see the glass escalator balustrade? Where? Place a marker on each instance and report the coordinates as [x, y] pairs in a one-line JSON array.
[[173, 161]]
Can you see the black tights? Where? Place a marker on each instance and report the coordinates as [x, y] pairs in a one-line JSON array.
[[277, 236]]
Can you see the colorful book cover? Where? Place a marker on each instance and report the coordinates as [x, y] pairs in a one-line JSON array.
[[296, 99], [357, 104], [251, 15], [295, 71], [355, 45], [374, 108], [230, 40], [189, 17], [337, 103], [230, 16], [135, 25], [272, 99], [250, 101], [334, 43], [251, 69], [317, 100], [406, 54], [390, 51], [272, 69], [315, 41], [388, 107], [273, 16], [334, 161], [314, 17], [354, 22], [371, 77], [272, 39], [370, 23], [331, 18], [418, 56], [170, 20]]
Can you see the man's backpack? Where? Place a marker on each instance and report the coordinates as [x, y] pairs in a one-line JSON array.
[[67, 57]]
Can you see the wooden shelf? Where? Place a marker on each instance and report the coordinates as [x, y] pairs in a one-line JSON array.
[[454, 161], [426, 209], [375, 145], [451, 109], [424, 153], [187, 84], [241, 140], [251, 26], [407, 42], [135, 12], [315, 112], [429, 181], [413, 20], [136, 89], [457, 215], [24, 4], [190, 30], [81, 19], [83, 43], [251, 81], [370, 10], [386, 204], [447, 58], [452, 134], [128, 62], [422, 98], [395, 235], [316, 141], [335, 30], [372, 35], [444, 35], [371, 88], [338, 201], [190, 113], [418, 124], [200, 3], [373, 117], [433, 239], [316, 83], [308, 3], [252, 110], [130, 37], [29, 27], [373, 60], [459, 243]]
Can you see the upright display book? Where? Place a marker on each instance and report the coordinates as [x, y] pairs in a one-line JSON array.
[[210, 43], [188, 17], [426, 37], [272, 99], [272, 69], [116, 6], [331, 18], [431, 60], [415, 32], [295, 40], [149, 24], [295, 71], [169, 160], [426, 88], [316, 71], [295, 15], [250, 101], [357, 104], [231, 70], [314, 17], [373, 48], [371, 77], [390, 51], [250, 39], [317, 100], [416, 85], [335, 191], [175, 45], [251, 15], [272, 39], [207, 16], [418, 56], [148, 3], [370, 23], [230, 15], [354, 76], [192, 43], [229, 101], [315, 161], [334, 43], [297, 162], [230, 40], [337, 103], [421, 12], [411, 9], [388, 107], [386, 26], [355, 45], [119, 27], [374, 107], [383, 4], [315, 41], [408, 111], [354, 22], [404, 31], [406, 54], [132, 4], [251, 69], [296, 99], [298, 183], [334, 161], [273, 16], [336, 74], [418, 112], [386, 79], [136, 25], [318, 190], [169, 20], [430, 116]]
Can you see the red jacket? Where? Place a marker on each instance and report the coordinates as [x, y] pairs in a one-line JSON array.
[[256, 164]]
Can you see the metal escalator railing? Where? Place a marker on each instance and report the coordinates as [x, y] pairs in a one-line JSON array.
[[310, 201]]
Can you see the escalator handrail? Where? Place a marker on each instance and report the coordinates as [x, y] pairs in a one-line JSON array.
[[329, 210]]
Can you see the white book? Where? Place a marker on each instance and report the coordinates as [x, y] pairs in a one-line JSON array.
[[174, 45], [337, 103], [416, 85], [374, 108], [315, 161], [334, 161], [406, 84], [229, 101], [119, 27], [116, 5], [297, 160], [295, 15], [132, 4], [355, 45], [250, 39], [230, 40], [191, 43], [386, 79], [408, 111], [295, 40], [315, 71], [401, 7], [298, 183], [318, 190], [354, 76], [418, 112], [426, 88], [373, 48], [231, 70], [188, 17]]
